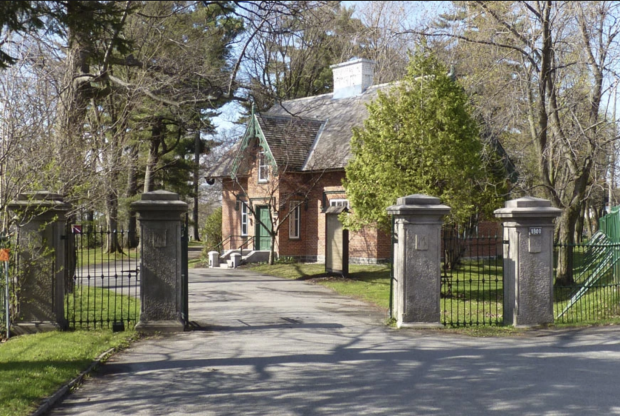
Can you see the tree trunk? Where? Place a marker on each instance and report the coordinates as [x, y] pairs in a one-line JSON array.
[[150, 166], [579, 224], [156, 137], [567, 223], [588, 221], [196, 183], [112, 243], [131, 240], [272, 250]]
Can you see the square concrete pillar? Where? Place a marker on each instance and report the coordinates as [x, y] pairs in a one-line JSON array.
[[161, 294], [41, 263], [417, 262], [214, 259], [528, 261]]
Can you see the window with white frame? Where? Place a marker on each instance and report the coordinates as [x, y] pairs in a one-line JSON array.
[[339, 203], [244, 219], [263, 167], [294, 220]]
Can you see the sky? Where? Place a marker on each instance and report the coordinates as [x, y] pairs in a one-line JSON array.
[[414, 12]]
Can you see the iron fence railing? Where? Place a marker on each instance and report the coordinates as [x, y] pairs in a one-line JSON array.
[[9, 301], [587, 281], [236, 242], [9, 284], [472, 281], [102, 288]]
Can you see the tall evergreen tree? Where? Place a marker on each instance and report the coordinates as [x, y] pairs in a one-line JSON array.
[[420, 138]]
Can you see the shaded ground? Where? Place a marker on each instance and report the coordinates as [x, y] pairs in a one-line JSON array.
[[284, 347]]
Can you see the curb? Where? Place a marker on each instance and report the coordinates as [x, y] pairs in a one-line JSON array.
[[61, 392]]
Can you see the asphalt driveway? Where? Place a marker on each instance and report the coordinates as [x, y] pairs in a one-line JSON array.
[[278, 347]]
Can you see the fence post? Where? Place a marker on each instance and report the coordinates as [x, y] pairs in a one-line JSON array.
[[161, 295], [417, 263], [528, 260], [41, 266]]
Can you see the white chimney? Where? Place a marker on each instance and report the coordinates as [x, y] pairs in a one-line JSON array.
[[352, 78]]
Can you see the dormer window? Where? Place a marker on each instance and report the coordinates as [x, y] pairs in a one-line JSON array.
[[339, 203], [263, 167]]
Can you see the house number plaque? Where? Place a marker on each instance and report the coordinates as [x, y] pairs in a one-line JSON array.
[[535, 230]]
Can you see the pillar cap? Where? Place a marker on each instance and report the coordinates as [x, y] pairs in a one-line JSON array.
[[418, 204], [160, 195], [39, 201], [528, 207], [159, 201], [418, 199]]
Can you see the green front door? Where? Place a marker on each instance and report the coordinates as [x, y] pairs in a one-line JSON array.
[[263, 239]]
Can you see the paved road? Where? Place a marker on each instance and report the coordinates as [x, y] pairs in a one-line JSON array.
[[278, 347]]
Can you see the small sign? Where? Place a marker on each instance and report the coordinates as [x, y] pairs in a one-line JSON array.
[[5, 254], [421, 243], [535, 230], [76, 229]]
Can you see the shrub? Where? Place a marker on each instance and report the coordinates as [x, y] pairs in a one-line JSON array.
[[212, 231]]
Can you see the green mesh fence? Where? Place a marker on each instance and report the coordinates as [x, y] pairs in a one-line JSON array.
[[610, 225]]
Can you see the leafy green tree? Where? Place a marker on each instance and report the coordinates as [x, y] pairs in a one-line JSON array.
[[212, 232], [420, 137]]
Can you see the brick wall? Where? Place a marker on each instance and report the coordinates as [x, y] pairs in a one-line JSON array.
[[366, 246]]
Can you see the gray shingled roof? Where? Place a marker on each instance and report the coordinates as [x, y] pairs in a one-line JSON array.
[[312, 133], [290, 138], [332, 148]]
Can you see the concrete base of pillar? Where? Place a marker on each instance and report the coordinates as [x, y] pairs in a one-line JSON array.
[[25, 328], [160, 326], [419, 325]]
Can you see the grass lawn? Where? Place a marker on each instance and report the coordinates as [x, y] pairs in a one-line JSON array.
[[92, 256], [473, 293], [194, 263], [33, 367], [89, 307]]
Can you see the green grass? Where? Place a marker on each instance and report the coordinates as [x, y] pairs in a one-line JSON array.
[[473, 294], [193, 263], [89, 306], [33, 367], [601, 302], [94, 256]]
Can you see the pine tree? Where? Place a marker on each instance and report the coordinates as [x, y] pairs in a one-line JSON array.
[[420, 137]]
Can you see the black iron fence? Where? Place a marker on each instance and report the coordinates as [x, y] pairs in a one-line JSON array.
[[185, 271], [102, 287], [9, 301], [472, 280], [587, 282]]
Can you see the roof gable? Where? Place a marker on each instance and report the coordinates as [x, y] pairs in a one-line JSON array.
[[289, 138], [306, 134], [332, 147]]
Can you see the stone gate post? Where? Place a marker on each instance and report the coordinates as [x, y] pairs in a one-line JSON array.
[[159, 213], [41, 268], [528, 260], [417, 264]]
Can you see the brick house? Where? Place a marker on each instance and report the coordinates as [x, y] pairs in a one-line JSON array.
[[288, 168]]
